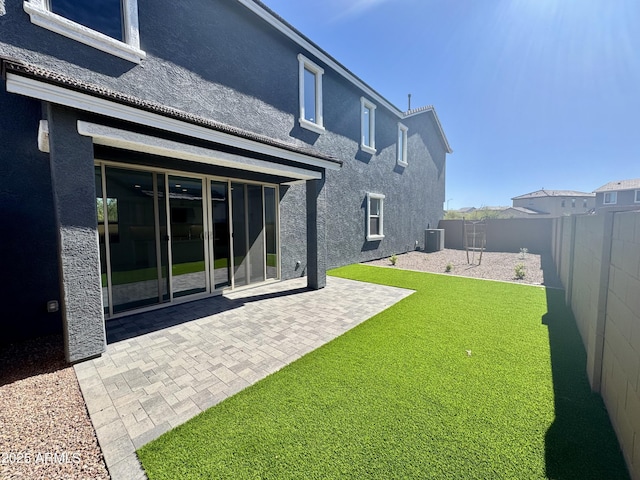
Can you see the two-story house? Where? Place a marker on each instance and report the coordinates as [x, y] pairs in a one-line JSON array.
[[619, 195], [553, 203], [155, 152]]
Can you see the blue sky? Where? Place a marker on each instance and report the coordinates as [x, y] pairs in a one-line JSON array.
[[530, 93]]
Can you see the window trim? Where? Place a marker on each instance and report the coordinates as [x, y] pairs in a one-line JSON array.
[[305, 64], [380, 235], [401, 156], [613, 194], [636, 198], [40, 15], [364, 105]]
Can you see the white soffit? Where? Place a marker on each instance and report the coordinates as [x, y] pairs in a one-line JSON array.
[[62, 96], [114, 137]]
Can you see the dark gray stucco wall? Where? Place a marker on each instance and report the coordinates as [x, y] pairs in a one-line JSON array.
[[74, 199], [216, 59], [28, 242]]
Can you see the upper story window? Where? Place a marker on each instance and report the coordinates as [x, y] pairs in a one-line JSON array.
[[562, 203], [637, 197], [368, 126], [573, 203], [584, 203], [402, 145], [310, 79], [108, 25], [610, 198], [375, 216]]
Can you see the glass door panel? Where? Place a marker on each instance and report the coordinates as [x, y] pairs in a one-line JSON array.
[[129, 211], [100, 209], [220, 235], [270, 231], [187, 236], [163, 238], [255, 222], [238, 204]]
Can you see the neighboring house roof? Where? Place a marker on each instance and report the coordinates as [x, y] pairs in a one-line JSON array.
[[616, 186], [280, 24], [50, 77], [528, 211], [553, 193]]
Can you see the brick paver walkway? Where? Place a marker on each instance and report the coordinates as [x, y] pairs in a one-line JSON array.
[[162, 368]]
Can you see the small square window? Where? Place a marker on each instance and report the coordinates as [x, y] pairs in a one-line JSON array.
[[368, 126], [610, 198], [310, 80], [375, 216], [108, 25], [402, 145]]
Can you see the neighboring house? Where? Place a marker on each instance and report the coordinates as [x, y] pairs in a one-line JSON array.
[[618, 196], [554, 203], [165, 151]]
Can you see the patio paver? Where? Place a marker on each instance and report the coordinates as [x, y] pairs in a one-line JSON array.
[[162, 368]]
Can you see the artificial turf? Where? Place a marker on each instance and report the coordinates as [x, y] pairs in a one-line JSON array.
[[399, 396]]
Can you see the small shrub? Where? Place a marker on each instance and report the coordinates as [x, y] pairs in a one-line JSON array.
[[393, 259], [448, 268], [523, 253], [520, 272]]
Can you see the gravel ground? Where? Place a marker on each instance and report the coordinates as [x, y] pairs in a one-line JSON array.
[[539, 269], [45, 431]]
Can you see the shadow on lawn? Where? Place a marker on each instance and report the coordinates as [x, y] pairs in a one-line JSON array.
[[581, 443]]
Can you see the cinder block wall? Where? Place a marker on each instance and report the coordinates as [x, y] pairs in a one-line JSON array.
[[598, 258], [621, 356]]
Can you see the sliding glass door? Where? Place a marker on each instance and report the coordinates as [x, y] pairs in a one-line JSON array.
[[165, 237]]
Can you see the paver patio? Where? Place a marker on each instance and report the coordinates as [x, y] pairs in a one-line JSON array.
[[163, 367]]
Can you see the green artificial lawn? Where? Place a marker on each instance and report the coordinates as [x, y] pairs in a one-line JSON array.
[[399, 397]]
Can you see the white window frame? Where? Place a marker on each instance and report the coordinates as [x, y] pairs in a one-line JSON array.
[[380, 234], [367, 105], [637, 196], [42, 16], [613, 198], [305, 64], [401, 150]]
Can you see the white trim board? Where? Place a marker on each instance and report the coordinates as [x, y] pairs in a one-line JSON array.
[[114, 137], [59, 95]]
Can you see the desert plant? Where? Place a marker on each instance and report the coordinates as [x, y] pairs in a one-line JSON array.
[[393, 259], [520, 272], [523, 253], [449, 267]]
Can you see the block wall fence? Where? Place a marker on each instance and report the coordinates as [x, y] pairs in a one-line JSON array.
[[598, 260]]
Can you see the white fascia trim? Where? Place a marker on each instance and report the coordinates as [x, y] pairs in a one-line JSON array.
[[364, 103], [40, 15], [402, 155], [319, 54], [305, 64], [82, 101], [137, 142], [438, 124]]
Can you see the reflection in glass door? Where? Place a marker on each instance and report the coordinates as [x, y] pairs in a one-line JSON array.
[[164, 237], [187, 236], [219, 235]]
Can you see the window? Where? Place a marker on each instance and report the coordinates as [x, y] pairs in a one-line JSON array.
[[563, 204], [108, 25], [584, 203], [637, 197], [573, 203], [310, 95], [368, 126], [375, 216], [402, 145], [610, 198]]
